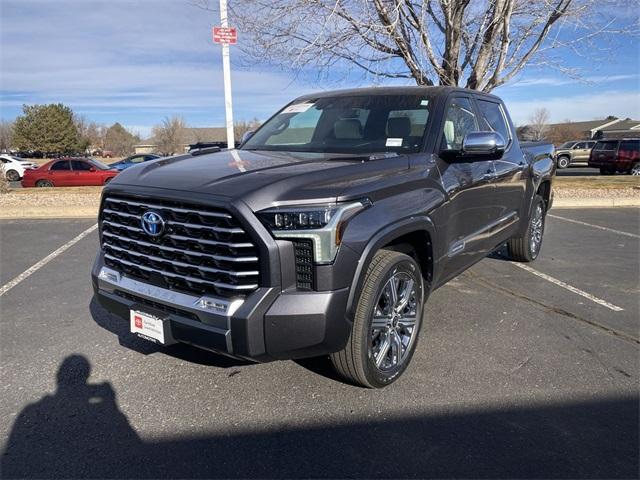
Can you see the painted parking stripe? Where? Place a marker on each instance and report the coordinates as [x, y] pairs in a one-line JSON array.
[[599, 227], [575, 290], [37, 266]]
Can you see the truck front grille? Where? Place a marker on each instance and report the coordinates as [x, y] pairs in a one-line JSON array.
[[203, 250]]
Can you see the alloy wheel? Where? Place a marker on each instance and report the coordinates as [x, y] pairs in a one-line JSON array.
[[537, 227], [394, 322]]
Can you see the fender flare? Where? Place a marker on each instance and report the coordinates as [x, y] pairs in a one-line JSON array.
[[381, 238]]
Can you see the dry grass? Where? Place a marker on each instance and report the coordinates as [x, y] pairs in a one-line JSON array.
[[613, 182]]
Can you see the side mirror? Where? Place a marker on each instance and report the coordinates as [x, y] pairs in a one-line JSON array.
[[246, 136], [92, 169], [483, 145]]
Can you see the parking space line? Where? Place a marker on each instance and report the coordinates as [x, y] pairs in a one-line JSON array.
[[566, 286], [599, 227], [37, 266]]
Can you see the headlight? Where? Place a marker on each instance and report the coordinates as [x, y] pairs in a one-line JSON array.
[[324, 224]]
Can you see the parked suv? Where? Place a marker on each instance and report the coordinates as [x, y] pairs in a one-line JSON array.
[[575, 152], [612, 156], [325, 233]]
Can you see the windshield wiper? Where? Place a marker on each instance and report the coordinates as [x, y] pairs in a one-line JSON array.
[[367, 157]]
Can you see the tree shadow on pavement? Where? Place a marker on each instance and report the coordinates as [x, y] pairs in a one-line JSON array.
[[79, 432], [181, 351]]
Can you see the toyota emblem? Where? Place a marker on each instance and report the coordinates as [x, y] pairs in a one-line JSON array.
[[152, 223]]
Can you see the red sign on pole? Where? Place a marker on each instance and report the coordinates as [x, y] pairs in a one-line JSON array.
[[225, 35]]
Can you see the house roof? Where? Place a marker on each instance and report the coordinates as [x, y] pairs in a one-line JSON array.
[[626, 124], [584, 126]]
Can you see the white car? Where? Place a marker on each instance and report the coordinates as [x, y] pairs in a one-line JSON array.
[[13, 167]]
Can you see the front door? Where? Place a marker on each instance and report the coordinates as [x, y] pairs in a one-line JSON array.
[[60, 173], [510, 174], [469, 186]]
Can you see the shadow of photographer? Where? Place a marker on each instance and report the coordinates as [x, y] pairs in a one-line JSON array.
[[78, 431]]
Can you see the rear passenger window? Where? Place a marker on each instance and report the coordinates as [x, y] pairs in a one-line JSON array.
[[62, 165], [606, 145], [459, 121], [629, 149], [495, 118]]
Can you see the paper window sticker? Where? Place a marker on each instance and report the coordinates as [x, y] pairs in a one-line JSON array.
[[394, 142], [298, 108]]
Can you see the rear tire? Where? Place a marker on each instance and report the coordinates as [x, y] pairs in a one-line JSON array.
[[44, 183], [527, 248], [386, 323], [12, 176], [606, 171], [635, 170], [563, 162]]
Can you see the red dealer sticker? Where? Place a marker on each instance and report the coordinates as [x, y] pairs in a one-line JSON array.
[[225, 35]]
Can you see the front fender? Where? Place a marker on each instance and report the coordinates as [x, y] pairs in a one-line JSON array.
[[380, 239]]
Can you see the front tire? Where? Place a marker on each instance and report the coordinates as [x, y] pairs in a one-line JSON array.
[[635, 170], [527, 247], [563, 161], [12, 176], [386, 323]]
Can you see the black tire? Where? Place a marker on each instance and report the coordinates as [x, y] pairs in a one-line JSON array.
[[524, 249], [12, 176], [44, 183], [606, 171], [356, 362], [635, 170], [563, 161]]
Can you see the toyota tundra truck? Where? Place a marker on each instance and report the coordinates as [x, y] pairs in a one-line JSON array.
[[326, 231]]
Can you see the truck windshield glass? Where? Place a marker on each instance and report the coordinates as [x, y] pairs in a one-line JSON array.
[[347, 124]]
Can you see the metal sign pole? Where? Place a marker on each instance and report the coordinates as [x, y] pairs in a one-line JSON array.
[[226, 69]]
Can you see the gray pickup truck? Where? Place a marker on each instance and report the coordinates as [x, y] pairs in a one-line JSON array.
[[326, 231]]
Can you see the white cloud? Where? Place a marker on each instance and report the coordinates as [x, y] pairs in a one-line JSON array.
[[578, 107]]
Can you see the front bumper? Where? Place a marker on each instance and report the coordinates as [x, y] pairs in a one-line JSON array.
[[268, 324]]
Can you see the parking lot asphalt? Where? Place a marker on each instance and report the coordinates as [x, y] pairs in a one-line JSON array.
[[519, 373]]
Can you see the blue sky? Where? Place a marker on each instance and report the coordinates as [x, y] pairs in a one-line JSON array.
[[137, 61]]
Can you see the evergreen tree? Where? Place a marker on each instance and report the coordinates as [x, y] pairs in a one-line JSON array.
[[46, 128]]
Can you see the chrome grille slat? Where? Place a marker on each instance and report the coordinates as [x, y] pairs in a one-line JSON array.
[[190, 279], [175, 209], [201, 251], [249, 273], [188, 252]]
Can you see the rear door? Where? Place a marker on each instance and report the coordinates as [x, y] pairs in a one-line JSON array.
[[60, 173], [628, 154], [603, 154], [510, 172], [468, 184], [581, 151]]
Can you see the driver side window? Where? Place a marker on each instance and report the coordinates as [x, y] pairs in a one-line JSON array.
[[460, 119]]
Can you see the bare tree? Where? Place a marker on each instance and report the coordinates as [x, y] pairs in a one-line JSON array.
[[171, 135], [6, 135], [480, 44], [91, 134], [538, 126], [244, 126]]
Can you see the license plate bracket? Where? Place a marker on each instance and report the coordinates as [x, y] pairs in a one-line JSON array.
[[155, 328]]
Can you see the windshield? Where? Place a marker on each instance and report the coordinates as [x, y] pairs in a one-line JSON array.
[[347, 124], [567, 145], [99, 165]]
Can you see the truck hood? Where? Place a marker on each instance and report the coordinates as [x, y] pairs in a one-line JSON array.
[[261, 178]]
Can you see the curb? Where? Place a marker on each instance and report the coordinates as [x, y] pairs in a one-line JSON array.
[[605, 202], [15, 213]]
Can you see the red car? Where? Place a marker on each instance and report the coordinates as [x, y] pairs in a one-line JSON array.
[[612, 156], [69, 172]]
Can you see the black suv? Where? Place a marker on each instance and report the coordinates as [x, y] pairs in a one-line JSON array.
[[325, 233]]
